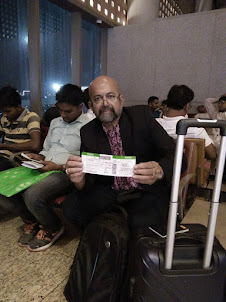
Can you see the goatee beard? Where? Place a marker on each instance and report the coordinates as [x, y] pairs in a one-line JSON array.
[[108, 117]]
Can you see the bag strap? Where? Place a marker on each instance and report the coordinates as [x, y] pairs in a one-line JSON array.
[[15, 158]]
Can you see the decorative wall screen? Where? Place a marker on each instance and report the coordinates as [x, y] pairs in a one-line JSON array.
[[115, 11], [55, 44], [91, 52], [14, 68], [169, 8]]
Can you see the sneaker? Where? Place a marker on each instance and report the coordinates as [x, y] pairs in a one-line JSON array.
[[44, 239], [29, 232]]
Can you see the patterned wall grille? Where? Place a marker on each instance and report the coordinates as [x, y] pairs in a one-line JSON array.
[[114, 11], [169, 8], [8, 19], [51, 21]]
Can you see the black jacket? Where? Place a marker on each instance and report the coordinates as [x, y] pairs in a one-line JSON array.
[[142, 137]]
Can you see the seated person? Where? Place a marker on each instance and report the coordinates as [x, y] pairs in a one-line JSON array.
[[178, 102], [86, 102], [42, 226], [153, 103], [19, 128], [163, 107], [203, 114], [119, 130], [216, 110]]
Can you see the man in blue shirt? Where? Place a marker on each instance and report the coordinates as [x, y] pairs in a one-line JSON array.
[[153, 103], [42, 226]]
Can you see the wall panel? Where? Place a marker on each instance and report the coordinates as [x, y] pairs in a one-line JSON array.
[[189, 49]]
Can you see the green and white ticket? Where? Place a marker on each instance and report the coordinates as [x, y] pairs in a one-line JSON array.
[[109, 165]]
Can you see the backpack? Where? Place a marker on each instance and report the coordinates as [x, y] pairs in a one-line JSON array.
[[99, 271]]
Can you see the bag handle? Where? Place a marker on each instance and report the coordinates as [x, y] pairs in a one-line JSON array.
[[172, 217], [184, 124]]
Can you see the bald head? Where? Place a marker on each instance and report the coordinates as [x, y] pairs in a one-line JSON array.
[[102, 82]]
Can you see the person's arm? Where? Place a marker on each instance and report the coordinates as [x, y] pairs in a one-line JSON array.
[[51, 166], [33, 145], [1, 130], [211, 108], [210, 152], [210, 149], [47, 142], [74, 171]]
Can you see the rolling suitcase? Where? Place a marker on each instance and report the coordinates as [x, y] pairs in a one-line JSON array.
[[187, 267]]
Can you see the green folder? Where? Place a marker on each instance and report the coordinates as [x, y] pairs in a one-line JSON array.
[[15, 180]]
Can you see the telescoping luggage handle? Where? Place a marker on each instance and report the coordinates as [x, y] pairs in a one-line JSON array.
[[182, 127]]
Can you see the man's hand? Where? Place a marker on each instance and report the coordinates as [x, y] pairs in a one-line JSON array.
[[49, 166], [74, 170], [35, 156], [147, 173]]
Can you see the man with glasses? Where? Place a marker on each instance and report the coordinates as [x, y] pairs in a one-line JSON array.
[[178, 103], [129, 131]]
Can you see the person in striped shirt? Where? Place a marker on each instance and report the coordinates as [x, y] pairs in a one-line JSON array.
[[19, 128]]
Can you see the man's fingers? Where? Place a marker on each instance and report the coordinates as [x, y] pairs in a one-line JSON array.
[[74, 170], [75, 158], [146, 180], [152, 171]]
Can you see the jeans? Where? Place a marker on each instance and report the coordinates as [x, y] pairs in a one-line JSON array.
[[34, 204]]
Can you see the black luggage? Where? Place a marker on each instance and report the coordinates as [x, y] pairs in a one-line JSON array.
[[188, 267], [98, 272]]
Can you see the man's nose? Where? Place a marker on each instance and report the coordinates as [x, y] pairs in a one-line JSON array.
[[105, 100], [63, 114]]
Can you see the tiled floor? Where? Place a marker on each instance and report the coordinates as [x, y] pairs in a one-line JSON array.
[[198, 213], [41, 276], [33, 276]]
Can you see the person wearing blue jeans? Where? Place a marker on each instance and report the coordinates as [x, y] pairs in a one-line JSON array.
[[34, 205]]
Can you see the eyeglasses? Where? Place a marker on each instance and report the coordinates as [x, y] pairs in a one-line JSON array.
[[109, 97]]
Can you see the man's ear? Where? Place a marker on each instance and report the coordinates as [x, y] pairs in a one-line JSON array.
[[122, 99], [186, 107], [90, 104]]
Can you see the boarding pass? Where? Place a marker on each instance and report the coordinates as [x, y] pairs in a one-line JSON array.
[[109, 165]]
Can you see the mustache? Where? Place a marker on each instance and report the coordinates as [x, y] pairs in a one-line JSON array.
[[105, 108]]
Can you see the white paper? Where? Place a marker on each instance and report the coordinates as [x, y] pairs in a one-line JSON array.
[[31, 163], [108, 165], [27, 157]]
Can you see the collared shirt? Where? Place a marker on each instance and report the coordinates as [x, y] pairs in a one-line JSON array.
[[115, 141], [90, 114], [19, 131], [170, 123], [63, 139]]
